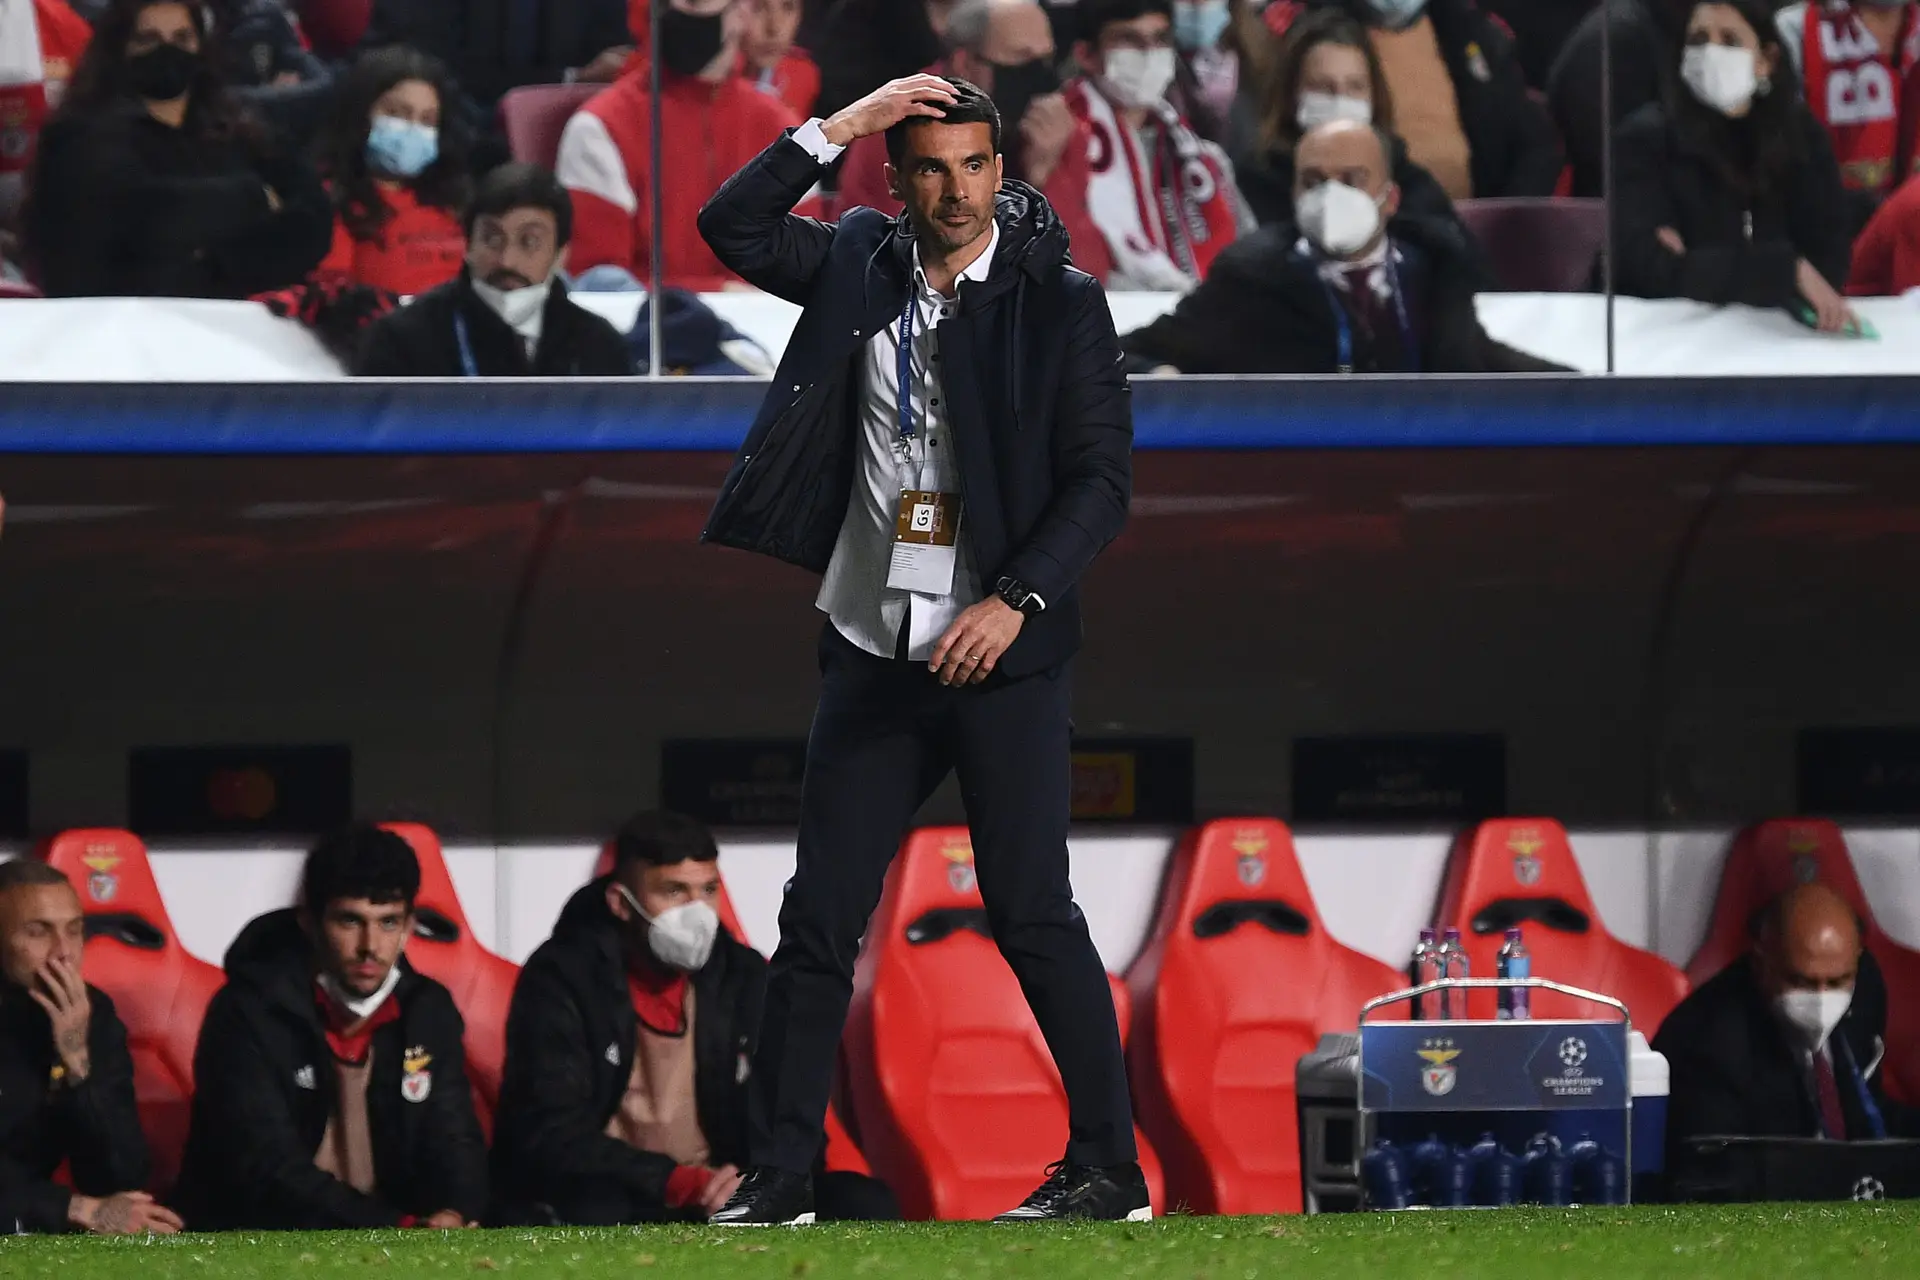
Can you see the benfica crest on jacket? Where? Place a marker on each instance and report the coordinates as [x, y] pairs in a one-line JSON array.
[[1866, 96]]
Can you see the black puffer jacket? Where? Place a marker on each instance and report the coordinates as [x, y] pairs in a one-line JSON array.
[[1038, 399], [570, 1041], [264, 1086]]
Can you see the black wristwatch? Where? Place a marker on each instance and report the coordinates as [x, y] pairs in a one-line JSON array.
[[1018, 595]]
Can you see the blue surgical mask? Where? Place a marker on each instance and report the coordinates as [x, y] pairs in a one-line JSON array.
[[401, 148], [1199, 24], [1396, 14]]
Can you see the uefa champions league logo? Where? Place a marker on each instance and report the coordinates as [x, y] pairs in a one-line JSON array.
[[1573, 1052]]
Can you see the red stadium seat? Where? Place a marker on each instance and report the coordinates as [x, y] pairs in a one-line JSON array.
[[1771, 857], [1238, 980], [843, 1153], [1522, 871], [1539, 245], [443, 948], [957, 1100], [160, 990], [533, 116]]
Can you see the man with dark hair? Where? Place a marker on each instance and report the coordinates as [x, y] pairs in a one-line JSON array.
[[330, 1087], [948, 440], [66, 1082], [628, 1046], [507, 314]]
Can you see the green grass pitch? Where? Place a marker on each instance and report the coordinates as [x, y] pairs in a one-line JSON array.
[[1749, 1242]]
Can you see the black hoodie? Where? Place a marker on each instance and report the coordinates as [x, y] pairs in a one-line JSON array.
[[264, 1085], [1031, 369], [570, 1042]]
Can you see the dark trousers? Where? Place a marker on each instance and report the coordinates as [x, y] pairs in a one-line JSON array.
[[884, 736]]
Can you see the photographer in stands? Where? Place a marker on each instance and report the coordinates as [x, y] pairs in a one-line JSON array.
[[507, 314], [330, 1086], [395, 160], [1728, 191], [152, 181], [1355, 287], [1784, 1042], [632, 1029], [66, 1082]]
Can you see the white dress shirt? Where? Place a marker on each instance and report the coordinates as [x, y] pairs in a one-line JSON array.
[[854, 593]]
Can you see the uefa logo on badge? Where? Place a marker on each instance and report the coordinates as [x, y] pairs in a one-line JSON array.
[[1439, 1075]]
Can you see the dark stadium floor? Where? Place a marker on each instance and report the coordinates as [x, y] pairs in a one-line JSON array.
[[1750, 1242]]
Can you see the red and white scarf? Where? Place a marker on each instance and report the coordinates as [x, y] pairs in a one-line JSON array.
[[1867, 97], [23, 95], [1165, 217]]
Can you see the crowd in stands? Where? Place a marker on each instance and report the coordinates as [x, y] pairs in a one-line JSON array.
[[321, 155]]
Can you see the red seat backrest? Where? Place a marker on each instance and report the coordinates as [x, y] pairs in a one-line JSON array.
[[1224, 1019], [480, 982], [159, 989], [957, 1100], [533, 116], [1538, 244], [1528, 860], [1771, 857]]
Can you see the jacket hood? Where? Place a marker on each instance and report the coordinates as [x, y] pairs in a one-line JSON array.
[[273, 956], [586, 916]]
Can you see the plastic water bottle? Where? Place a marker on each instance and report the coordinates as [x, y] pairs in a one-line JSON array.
[[1425, 968], [1514, 962], [1453, 964]]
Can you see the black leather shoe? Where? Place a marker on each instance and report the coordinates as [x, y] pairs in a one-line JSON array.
[[768, 1198], [1117, 1193]]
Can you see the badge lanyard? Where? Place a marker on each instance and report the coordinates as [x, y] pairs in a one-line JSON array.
[[1876, 1123], [904, 366], [466, 347], [1344, 334]]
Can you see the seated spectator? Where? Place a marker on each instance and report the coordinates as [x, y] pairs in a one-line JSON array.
[[492, 45], [270, 69], [769, 60], [1163, 198], [396, 167], [1886, 256], [625, 1093], [1328, 71], [712, 123], [866, 43], [1462, 102], [66, 1081], [1356, 287], [507, 314], [152, 181], [1859, 66], [1223, 47], [330, 1086], [1783, 1042], [1646, 36], [1006, 48], [1731, 194], [40, 44]]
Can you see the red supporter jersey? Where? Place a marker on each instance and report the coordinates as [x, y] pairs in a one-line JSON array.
[[419, 247]]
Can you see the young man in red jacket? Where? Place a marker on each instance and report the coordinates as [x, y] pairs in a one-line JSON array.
[[713, 121]]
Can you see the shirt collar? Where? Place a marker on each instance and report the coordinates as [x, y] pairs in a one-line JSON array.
[[976, 270]]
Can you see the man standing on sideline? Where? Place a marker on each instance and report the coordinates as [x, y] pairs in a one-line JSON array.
[[948, 439], [66, 1081]]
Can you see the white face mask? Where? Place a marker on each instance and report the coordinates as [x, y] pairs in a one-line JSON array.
[[1340, 220], [1814, 1014], [1721, 76], [361, 1006], [1138, 77], [680, 937], [1316, 109], [520, 308]]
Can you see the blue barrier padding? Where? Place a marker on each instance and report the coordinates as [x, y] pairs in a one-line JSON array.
[[574, 416]]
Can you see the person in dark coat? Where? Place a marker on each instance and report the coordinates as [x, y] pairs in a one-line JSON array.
[[507, 314], [1327, 70], [1495, 140], [151, 181], [271, 70], [628, 1046], [497, 45], [868, 42], [330, 1082], [1785, 1041], [948, 440], [1729, 192], [1355, 287], [66, 1080]]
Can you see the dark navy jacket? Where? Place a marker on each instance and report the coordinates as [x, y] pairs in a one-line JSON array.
[[1032, 372]]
